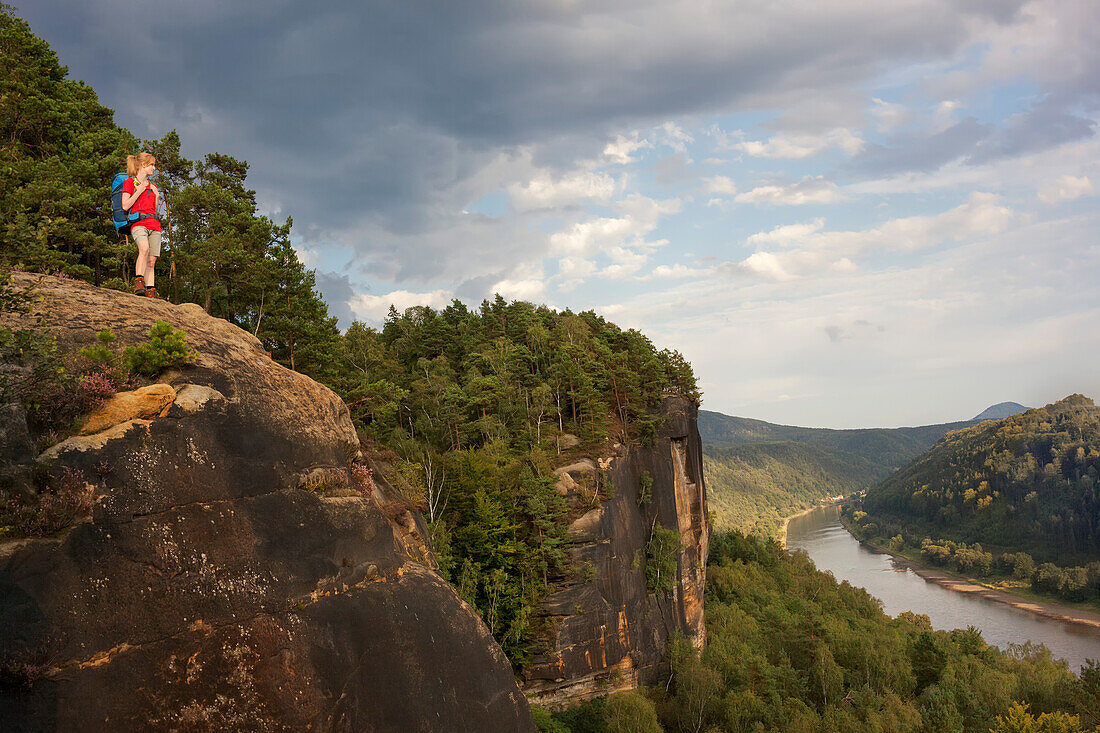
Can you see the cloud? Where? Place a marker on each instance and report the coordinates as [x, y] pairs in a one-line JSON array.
[[545, 191], [786, 233], [338, 294], [802, 146], [1047, 124], [677, 271], [1066, 188], [889, 114], [529, 289], [922, 150], [810, 190], [621, 150], [375, 307], [719, 185], [809, 249]]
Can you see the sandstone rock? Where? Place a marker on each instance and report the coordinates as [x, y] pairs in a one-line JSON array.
[[568, 440], [142, 403], [610, 633], [196, 397], [208, 592], [585, 465]]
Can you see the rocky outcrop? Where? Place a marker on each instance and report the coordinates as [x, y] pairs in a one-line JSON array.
[[218, 585], [607, 632]]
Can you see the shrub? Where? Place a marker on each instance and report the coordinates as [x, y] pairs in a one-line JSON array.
[[1048, 578], [65, 499], [631, 712], [167, 348], [645, 491], [661, 555]]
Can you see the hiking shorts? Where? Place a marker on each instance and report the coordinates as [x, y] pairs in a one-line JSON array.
[[151, 238]]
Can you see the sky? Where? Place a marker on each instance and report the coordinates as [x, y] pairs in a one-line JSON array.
[[844, 214]]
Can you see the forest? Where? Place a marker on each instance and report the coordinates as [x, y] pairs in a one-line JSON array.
[[753, 487], [790, 649], [759, 473], [465, 409], [1027, 483]]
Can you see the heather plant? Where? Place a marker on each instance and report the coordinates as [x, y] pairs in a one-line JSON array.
[[63, 501]]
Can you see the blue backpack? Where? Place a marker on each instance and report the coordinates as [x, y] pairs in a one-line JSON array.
[[120, 217]]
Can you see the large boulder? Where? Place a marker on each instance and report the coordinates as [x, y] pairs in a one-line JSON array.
[[215, 587]]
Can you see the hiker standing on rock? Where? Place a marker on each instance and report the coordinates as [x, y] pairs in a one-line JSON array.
[[139, 195]]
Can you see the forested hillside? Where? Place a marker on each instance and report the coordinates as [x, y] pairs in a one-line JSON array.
[[467, 410], [753, 487], [1029, 483], [758, 472], [790, 649]]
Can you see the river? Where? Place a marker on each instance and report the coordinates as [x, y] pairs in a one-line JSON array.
[[832, 548]]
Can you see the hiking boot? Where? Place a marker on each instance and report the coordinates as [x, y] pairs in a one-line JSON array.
[[139, 285], [151, 292]]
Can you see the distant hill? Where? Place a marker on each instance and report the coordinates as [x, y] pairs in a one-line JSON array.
[[1000, 411], [1028, 482], [759, 472]]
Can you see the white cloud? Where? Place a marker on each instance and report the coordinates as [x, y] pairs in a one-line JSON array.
[[677, 271], [375, 307], [621, 150], [802, 146], [625, 261], [889, 114], [527, 289], [720, 185], [674, 136], [767, 264], [546, 192], [812, 250], [1066, 188], [810, 190], [787, 233]]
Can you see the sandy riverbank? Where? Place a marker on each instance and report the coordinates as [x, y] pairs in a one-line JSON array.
[[1055, 611]]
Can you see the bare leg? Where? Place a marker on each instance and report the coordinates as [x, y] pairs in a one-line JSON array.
[[151, 263], [142, 258]]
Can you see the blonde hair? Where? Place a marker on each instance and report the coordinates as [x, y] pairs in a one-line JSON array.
[[136, 162]]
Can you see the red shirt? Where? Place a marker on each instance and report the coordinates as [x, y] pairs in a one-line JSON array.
[[146, 204]]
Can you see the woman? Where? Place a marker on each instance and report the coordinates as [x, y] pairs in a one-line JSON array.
[[139, 196]]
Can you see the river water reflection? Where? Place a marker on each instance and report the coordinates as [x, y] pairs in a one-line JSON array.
[[829, 545]]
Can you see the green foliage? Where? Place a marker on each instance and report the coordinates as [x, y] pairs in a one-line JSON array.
[[645, 489], [60, 151], [1019, 720], [789, 648], [631, 712], [753, 487], [167, 347], [662, 555], [101, 353], [1026, 483]]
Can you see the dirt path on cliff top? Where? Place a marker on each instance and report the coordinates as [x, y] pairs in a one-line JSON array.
[[1090, 619]]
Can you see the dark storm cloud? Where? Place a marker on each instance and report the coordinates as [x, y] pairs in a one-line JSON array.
[[337, 292], [364, 120]]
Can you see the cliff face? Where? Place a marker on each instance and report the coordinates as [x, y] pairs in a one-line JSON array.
[[231, 576], [606, 632]]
